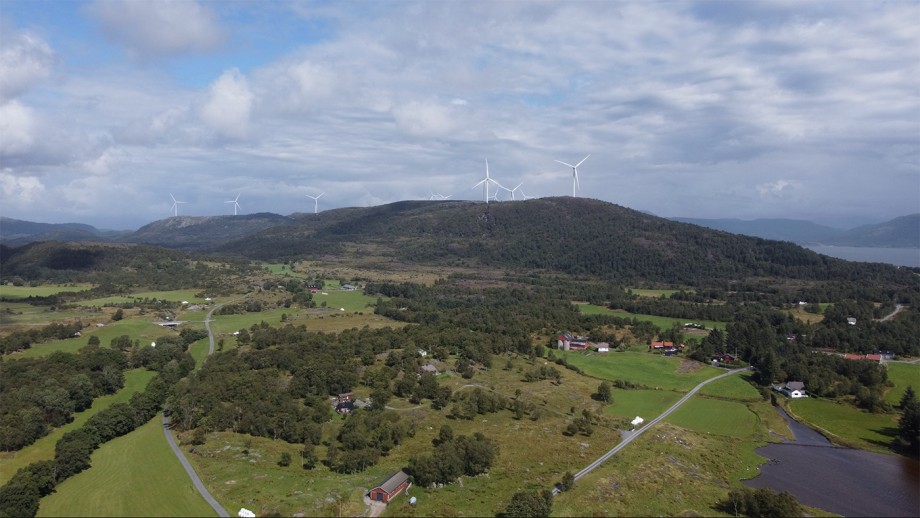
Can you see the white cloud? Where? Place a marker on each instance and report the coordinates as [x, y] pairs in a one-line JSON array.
[[426, 119], [25, 59], [149, 29], [17, 128], [229, 105], [779, 189], [20, 191]]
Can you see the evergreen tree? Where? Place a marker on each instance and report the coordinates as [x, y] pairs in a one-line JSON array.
[[909, 424]]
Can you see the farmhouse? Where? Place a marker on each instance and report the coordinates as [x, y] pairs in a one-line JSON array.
[[724, 358], [389, 488], [793, 389], [664, 346], [567, 341], [603, 347]]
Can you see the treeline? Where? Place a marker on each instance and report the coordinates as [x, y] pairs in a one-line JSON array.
[[37, 394], [21, 495], [20, 340]]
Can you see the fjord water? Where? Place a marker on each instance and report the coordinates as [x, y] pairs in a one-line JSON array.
[[895, 256], [840, 480]]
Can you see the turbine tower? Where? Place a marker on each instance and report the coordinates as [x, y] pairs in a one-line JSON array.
[[574, 172], [175, 205], [235, 203], [485, 184], [316, 202]]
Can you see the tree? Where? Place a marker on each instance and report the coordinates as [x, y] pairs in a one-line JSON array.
[[568, 481], [119, 314], [93, 340], [525, 504], [909, 423], [285, 460], [604, 392]]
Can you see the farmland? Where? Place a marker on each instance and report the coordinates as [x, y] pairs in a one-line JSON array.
[[846, 425], [662, 323], [902, 375], [654, 371]]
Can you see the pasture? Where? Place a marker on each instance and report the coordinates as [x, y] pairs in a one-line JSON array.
[[652, 370], [738, 387], [652, 294], [255, 481], [715, 416], [845, 424], [902, 375], [44, 290], [151, 483], [43, 449], [663, 323], [189, 295], [138, 328], [647, 404]]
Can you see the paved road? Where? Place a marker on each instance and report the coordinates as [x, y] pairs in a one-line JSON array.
[[175, 447], [591, 467], [889, 316]]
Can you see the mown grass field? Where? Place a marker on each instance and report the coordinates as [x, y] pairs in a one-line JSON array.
[[902, 375], [647, 404], [652, 370], [737, 387], [43, 449], [654, 294], [847, 425], [15, 315], [138, 328], [133, 475], [706, 415], [21, 292], [188, 295], [663, 323]]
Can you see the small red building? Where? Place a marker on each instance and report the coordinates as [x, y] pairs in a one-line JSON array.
[[390, 487]]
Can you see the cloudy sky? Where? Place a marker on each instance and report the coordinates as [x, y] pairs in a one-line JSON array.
[[715, 109]]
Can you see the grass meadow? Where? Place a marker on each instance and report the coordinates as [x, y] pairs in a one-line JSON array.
[[652, 294], [847, 425], [647, 404], [663, 323], [133, 475], [43, 449], [16, 315], [902, 375], [705, 415], [21, 292], [652, 370], [138, 328], [738, 387]]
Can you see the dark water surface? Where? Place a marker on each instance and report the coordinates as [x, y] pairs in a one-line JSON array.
[[840, 480]]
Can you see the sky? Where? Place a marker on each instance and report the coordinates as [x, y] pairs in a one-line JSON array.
[[711, 109]]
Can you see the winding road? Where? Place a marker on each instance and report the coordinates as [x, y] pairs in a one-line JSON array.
[[591, 467], [175, 447]]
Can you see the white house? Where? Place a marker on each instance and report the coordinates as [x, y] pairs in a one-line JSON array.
[[793, 389], [603, 347], [851, 321]]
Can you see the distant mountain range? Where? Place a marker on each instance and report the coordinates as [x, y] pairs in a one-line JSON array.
[[902, 232], [216, 232]]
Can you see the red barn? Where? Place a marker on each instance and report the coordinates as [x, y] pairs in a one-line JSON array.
[[390, 487]]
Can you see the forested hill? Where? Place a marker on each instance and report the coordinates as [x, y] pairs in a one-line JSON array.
[[903, 232], [204, 232], [567, 235]]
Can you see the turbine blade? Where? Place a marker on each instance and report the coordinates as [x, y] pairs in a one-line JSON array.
[[563, 163], [480, 183], [582, 160]]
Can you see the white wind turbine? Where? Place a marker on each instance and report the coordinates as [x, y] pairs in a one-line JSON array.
[[175, 205], [316, 201], [574, 172], [235, 203], [485, 183]]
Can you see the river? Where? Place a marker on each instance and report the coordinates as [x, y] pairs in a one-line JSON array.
[[844, 481]]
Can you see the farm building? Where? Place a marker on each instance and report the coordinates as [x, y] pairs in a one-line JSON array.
[[567, 341], [724, 358], [603, 347], [389, 488], [664, 346], [870, 357], [793, 389]]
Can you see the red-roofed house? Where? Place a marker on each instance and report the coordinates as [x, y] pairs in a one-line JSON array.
[[390, 487]]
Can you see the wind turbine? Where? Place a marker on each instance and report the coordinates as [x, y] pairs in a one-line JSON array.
[[235, 203], [175, 205], [485, 183], [574, 172], [316, 201]]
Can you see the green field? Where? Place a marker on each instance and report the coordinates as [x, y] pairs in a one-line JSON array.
[[172, 296], [651, 293], [21, 292], [652, 370], [138, 328], [14, 314], [133, 475], [847, 425], [663, 323], [715, 416], [737, 387], [43, 449], [902, 375], [647, 404]]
